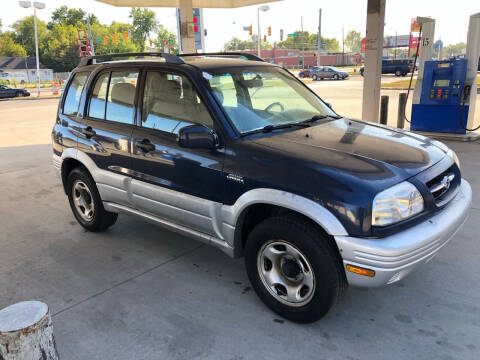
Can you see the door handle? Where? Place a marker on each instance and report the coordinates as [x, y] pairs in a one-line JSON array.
[[145, 145], [88, 132]]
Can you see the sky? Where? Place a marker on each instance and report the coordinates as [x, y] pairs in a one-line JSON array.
[[222, 24]]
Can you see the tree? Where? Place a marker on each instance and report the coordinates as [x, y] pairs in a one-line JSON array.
[[61, 50], [307, 41], [353, 41], [76, 17], [101, 32], [251, 44], [454, 49], [164, 35], [24, 34], [8, 47], [143, 23]]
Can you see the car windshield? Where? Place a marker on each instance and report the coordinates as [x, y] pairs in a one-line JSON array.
[[335, 69], [264, 96]]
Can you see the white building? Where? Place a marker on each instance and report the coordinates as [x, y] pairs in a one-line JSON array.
[[22, 69]]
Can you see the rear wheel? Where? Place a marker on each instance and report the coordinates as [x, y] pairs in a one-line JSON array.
[[398, 72], [302, 75], [314, 77], [336, 76], [294, 268], [86, 203]]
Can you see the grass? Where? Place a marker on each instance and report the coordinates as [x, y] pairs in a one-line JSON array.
[[403, 84]]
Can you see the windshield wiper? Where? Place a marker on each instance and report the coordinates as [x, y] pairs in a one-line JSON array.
[[270, 128], [319, 117]]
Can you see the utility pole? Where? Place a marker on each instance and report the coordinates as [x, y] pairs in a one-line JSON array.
[[343, 47], [90, 35], [319, 38], [395, 48], [259, 41], [303, 44]]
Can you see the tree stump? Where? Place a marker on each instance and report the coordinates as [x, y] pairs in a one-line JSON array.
[[26, 332]]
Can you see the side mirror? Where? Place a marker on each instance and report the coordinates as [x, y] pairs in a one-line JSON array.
[[329, 105], [197, 136]]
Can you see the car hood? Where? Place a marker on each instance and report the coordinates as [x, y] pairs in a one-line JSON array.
[[358, 147]]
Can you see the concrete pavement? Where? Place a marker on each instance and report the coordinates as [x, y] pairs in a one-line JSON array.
[[138, 291]]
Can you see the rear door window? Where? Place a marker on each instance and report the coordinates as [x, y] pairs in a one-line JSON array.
[[121, 96], [74, 92], [99, 97]]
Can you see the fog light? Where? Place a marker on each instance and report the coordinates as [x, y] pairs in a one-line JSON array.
[[360, 271]]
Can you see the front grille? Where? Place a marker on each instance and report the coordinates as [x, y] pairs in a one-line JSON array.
[[444, 186]]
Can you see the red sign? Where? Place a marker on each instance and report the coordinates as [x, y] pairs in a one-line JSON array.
[[413, 42], [414, 26], [364, 41]]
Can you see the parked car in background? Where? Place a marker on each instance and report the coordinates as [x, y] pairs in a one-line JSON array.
[[399, 67], [308, 72], [7, 92], [328, 72]]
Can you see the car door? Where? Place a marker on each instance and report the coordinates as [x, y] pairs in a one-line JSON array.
[[179, 184], [67, 124], [106, 130]]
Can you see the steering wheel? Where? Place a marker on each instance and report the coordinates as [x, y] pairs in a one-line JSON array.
[[268, 108]]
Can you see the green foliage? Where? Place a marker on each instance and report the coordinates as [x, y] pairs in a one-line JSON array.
[[162, 35], [8, 47], [24, 34], [353, 41], [250, 44], [100, 31], [308, 41], [65, 16], [454, 49], [144, 22], [60, 49]]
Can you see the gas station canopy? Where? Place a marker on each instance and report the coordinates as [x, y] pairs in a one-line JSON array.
[[195, 3]]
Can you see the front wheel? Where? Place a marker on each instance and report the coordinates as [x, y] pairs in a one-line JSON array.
[[335, 76], [294, 268], [314, 77], [86, 203], [398, 72], [302, 75]]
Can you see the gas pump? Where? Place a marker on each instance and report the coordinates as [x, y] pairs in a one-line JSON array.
[[446, 90], [443, 97]]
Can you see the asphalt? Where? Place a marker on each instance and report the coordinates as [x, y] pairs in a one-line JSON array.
[[140, 292]]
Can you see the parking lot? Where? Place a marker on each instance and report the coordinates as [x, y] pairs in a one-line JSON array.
[[138, 291]]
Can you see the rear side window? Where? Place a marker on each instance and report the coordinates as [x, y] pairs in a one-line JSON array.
[[99, 97], [74, 92], [121, 96], [113, 96]]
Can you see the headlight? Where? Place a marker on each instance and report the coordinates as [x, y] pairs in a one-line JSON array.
[[454, 156], [396, 203]]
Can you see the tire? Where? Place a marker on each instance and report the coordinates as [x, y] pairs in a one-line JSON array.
[[301, 75], [80, 188], [336, 76], [317, 290], [18, 94], [314, 77], [398, 72]]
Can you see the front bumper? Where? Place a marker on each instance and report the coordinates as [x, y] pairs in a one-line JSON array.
[[394, 257]]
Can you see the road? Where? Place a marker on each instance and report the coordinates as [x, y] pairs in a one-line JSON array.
[[140, 292]]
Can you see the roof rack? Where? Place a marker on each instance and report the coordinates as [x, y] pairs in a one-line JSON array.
[[169, 58], [232, 54]]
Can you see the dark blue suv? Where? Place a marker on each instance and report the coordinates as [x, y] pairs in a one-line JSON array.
[[238, 153]]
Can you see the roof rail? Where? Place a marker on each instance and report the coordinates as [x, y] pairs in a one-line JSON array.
[[169, 58], [247, 56]]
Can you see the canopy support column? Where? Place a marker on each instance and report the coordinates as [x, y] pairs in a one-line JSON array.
[[373, 59]]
